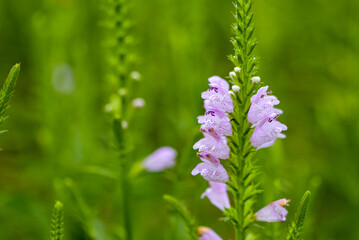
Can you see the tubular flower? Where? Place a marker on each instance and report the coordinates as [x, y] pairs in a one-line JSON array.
[[162, 158], [207, 234], [212, 172], [273, 212], [215, 126], [263, 116], [217, 195]]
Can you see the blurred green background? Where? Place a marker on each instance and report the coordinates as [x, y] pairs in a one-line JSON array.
[[309, 55]]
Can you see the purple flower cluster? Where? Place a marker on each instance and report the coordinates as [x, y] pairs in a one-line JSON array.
[[263, 116], [215, 126]]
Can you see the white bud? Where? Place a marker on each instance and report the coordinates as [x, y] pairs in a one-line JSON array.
[[108, 107], [231, 93], [235, 88], [138, 103], [237, 69], [124, 125], [122, 91], [256, 79], [232, 75], [135, 75]]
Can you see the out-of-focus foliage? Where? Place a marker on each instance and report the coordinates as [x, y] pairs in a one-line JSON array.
[[309, 55]]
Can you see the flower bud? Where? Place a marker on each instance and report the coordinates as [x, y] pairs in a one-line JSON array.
[[124, 125], [237, 70], [235, 88], [232, 75], [122, 91], [256, 79], [135, 75]]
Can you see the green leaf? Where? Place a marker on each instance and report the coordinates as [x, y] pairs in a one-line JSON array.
[[296, 227], [100, 171], [7, 91], [57, 222], [186, 216]]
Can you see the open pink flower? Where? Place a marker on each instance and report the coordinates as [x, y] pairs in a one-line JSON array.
[[267, 131], [217, 195], [209, 144], [212, 172], [262, 105], [216, 124], [274, 212]]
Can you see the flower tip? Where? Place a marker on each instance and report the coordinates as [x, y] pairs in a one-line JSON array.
[[284, 202], [232, 75], [256, 79], [203, 230]]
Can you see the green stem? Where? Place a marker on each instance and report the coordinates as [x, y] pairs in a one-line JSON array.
[[242, 160], [125, 188]]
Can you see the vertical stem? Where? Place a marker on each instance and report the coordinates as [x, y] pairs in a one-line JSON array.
[[243, 59], [125, 187], [241, 137]]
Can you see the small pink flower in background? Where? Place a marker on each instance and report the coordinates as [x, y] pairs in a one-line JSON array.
[[138, 103], [217, 195], [162, 158], [207, 234], [274, 212]]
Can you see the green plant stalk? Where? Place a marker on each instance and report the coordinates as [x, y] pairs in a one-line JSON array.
[[125, 192], [119, 62], [242, 186]]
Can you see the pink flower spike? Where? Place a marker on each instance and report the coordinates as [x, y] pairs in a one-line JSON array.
[[217, 195], [273, 212], [207, 234], [162, 158]]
